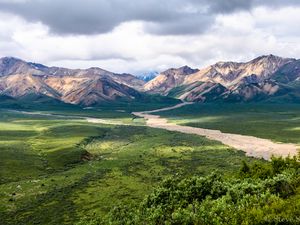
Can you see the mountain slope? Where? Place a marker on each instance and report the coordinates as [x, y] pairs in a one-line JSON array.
[[168, 79], [21, 84], [10, 65], [256, 80], [230, 73], [77, 86], [290, 72], [261, 79]]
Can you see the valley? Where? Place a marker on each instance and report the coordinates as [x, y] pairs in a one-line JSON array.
[[57, 171], [89, 146], [277, 122], [253, 146], [149, 112]]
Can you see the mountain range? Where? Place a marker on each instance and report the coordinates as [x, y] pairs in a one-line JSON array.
[[76, 86], [266, 78], [269, 78]]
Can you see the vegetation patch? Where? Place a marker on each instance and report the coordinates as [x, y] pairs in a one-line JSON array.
[[58, 171], [279, 123], [258, 194]]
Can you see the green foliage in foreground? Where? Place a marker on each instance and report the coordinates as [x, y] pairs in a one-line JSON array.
[[57, 170], [246, 199]]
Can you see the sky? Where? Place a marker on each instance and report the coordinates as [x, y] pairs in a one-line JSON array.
[[138, 36]]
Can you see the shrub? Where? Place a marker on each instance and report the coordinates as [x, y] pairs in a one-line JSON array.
[[261, 195]]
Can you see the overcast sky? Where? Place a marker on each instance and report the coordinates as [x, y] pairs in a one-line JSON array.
[[147, 35]]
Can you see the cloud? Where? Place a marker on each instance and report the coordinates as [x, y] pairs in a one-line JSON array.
[[172, 17], [147, 35], [92, 16], [229, 6]]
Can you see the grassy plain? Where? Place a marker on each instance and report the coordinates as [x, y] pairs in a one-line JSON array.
[[277, 122], [55, 170]]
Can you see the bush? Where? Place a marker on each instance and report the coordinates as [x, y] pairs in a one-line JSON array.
[[263, 194]]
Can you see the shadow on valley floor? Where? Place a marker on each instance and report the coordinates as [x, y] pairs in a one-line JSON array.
[[45, 178]]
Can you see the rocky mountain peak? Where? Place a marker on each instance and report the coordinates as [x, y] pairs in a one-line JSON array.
[[147, 76], [11, 65], [271, 60], [10, 60], [225, 64], [169, 79], [181, 71]]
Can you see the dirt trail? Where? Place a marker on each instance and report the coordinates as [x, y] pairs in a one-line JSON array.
[[253, 146]]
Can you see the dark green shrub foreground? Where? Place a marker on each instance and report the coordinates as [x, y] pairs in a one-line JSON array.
[[259, 194]]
